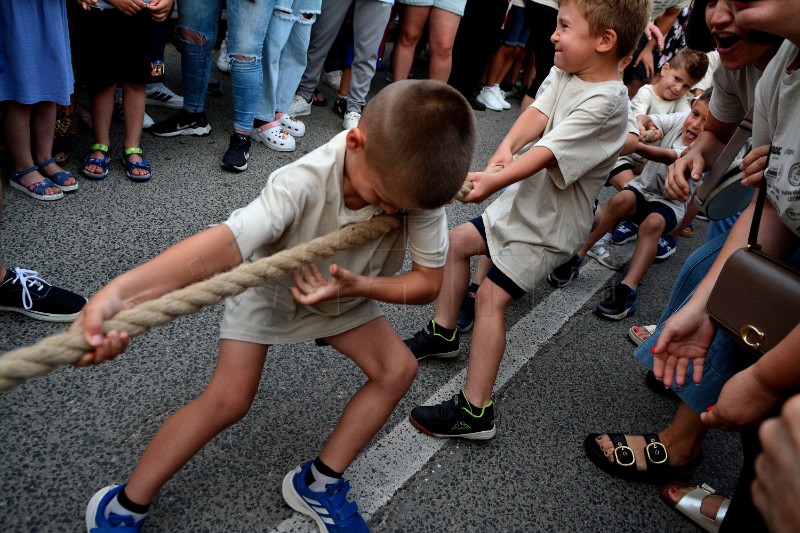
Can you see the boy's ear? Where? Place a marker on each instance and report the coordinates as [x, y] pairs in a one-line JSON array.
[[665, 68], [608, 41], [355, 139]]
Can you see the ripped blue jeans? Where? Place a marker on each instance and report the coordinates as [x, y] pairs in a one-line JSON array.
[[200, 17]]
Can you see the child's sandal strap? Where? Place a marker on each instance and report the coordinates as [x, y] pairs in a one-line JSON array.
[[98, 147], [47, 162], [24, 171], [133, 150]]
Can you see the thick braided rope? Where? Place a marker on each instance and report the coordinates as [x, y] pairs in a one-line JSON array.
[[66, 348]]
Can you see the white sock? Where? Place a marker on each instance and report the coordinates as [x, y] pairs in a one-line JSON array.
[[320, 480], [115, 507]]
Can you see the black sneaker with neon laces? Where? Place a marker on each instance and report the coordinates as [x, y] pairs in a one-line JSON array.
[[453, 418], [429, 342]]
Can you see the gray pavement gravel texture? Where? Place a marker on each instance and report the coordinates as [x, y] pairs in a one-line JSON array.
[[66, 435]]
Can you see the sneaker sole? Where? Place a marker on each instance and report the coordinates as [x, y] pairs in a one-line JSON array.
[[600, 260], [301, 113], [559, 284], [443, 355], [629, 311], [478, 435], [204, 130], [662, 257], [296, 502], [234, 168], [91, 508], [159, 103], [624, 241]]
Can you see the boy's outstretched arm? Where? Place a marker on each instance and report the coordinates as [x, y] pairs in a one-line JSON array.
[[199, 257], [420, 286], [484, 184], [666, 156]]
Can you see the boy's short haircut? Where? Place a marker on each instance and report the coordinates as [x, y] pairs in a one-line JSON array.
[[705, 95], [627, 18], [695, 63], [420, 140]]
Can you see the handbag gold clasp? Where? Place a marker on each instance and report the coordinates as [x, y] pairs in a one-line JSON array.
[[757, 335]]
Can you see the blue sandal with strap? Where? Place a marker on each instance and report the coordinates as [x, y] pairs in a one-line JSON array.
[[35, 190], [59, 178], [130, 166], [102, 163]]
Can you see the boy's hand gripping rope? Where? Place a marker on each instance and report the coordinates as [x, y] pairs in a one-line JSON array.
[[66, 348]]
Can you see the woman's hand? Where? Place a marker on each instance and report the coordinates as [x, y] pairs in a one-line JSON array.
[[743, 401], [684, 339]]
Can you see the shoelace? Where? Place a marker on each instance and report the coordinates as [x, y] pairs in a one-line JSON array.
[[27, 278]]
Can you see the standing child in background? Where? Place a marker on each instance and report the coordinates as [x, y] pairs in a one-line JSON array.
[[580, 121], [645, 202], [118, 42], [352, 178]]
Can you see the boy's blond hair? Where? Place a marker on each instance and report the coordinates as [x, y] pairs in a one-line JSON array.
[[627, 18], [693, 62], [420, 137]]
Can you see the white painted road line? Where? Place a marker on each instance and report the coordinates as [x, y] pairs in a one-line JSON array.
[[387, 464]]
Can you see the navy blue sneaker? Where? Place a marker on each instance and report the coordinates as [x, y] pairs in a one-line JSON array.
[[466, 312], [96, 521], [666, 247], [621, 302], [330, 509], [625, 232], [564, 273]]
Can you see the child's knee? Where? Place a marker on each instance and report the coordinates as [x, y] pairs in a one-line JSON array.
[[654, 224], [226, 407], [400, 373], [191, 36]]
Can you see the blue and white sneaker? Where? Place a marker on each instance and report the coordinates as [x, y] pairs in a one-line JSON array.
[[625, 232], [330, 509], [666, 247], [96, 521]]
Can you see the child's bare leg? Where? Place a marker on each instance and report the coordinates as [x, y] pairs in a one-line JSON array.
[[620, 207], [646, 248], [17, 131], [465, 242], [133, 100], [102, 110], [390, 369], [488, 342], [225, 400], [620, 179]]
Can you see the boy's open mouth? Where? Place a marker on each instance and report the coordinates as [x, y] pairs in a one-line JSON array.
[[726, 40]]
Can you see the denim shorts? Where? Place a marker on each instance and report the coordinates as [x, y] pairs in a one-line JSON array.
[[494, 274], [453, 6], [515, 29]]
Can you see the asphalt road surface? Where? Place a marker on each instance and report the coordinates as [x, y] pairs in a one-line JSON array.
[[566, 373]]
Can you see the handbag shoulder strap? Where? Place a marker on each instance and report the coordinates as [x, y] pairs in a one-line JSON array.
[[752, 238], [740, 136]]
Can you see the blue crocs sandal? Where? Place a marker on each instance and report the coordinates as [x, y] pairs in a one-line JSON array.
[[59, 178], [130, 166], [34, 190], [102, 163]]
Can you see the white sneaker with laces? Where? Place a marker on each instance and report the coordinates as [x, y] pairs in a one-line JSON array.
[[486, 98], [604, 256], [160, 95], [293, 125], [223, 59], [299, 106], [498, 96], [275, 137], [332, 79], [351, 120]]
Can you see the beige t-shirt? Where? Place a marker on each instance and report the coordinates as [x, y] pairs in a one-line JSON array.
[[300, 202], [541, 221], [776, 121], [733, 93], [653, 178]]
